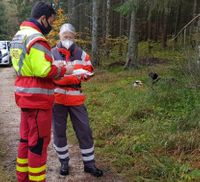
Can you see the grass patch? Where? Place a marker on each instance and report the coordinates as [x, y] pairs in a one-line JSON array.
[[147, 133]]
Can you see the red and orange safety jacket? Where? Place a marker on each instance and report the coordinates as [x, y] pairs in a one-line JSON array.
[[68, 91], [32, 60]]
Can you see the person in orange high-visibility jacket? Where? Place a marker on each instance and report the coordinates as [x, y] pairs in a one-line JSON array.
[[34, 91], [69, 99]]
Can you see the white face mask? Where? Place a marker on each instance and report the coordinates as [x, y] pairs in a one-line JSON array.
[[67, 43]]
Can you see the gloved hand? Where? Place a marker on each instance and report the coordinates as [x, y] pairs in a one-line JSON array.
[[69, 69]]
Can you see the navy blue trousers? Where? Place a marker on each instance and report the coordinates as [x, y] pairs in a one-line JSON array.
[[80, 123]]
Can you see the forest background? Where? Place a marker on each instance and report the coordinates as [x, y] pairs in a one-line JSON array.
[[147, 131]]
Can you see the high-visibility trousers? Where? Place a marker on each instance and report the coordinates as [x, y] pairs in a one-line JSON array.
[[35, 132], [80, 123]]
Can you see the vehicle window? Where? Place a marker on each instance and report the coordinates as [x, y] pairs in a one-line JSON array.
[[2, 45]]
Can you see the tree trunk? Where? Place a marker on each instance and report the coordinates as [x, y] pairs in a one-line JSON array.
[[79, 16], [121, 23], [82, 21], [95, 57], [156, 31], [194, 8], [149, 33], [132, 55], [177, 20], [71, 11], [164, 30], [103, 20], [107, 18]]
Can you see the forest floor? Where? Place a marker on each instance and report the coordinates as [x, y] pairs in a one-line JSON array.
[[9, 136]]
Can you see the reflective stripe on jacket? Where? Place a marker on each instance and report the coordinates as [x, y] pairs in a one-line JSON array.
[[31, 57], [68, 91]]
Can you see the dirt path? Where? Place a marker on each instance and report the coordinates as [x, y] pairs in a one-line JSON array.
[[9, 129]]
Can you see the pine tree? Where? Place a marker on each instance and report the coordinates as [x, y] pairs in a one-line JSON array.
[[3, 22], [131, 7]]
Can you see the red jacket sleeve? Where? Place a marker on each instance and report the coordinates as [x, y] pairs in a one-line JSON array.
[[67, 80]]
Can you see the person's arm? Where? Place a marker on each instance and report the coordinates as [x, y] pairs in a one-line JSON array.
[[67, 80], [41, 59], [87, 65]]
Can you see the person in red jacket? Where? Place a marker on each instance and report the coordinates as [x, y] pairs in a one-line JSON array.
[[34, 91], [69, 100]]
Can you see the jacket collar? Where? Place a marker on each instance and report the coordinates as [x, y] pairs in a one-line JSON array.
[[71, 49], [33, 23]]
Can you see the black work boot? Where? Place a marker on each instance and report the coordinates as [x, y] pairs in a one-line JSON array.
[[64, 169], [93, 171]]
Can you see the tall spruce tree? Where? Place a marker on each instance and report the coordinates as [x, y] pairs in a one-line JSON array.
[[3, 22], [130, 7]]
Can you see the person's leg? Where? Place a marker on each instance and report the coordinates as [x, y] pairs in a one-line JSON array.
[[60, 113], [38, 140], [80, 122], [22, 156]]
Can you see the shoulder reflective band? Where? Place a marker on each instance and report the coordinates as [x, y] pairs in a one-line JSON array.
[[68, 92], [34, 90], [42, 48], [32, 38], [19, 38]]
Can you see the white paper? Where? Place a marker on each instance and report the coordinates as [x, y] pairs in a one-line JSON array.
[[82, 72]]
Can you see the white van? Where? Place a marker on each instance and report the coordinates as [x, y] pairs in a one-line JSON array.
[[4, 53]]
